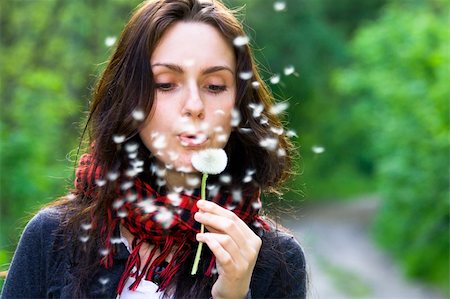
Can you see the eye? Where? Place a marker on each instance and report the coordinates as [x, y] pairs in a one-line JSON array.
[[216, 88], [164, 87]]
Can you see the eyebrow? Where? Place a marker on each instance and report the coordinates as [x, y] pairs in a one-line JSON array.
[[209, 70]]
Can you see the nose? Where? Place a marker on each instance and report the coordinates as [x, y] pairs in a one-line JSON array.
[[193, 105]]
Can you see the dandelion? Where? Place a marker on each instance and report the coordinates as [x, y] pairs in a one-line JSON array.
[[289, 70], [118, 138], [208, 161], [138, 115], [279, 107], [275, 79], [279, 6], [110, 41], [317, 149], [245, 75], [241, 41]]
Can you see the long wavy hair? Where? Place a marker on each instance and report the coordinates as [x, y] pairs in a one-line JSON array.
[[127, 85]]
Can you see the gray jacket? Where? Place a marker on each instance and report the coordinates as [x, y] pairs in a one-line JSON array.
[[37, 271]]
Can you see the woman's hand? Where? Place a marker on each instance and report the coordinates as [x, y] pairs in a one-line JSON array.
[[234, 245]]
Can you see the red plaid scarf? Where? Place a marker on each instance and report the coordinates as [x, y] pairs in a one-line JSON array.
[[166, 221]]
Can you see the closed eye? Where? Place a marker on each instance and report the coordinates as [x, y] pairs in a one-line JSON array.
[[216, 88], [164, 87]]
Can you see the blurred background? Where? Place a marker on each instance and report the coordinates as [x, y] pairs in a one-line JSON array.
[[367, 84]]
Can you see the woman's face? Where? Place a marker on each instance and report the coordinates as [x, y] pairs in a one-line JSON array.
[[194, 71]]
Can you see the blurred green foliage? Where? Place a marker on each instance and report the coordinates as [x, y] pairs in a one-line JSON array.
[[369, 87], [399, 89]]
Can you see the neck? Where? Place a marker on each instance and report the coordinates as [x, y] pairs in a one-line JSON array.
[[176, 180]]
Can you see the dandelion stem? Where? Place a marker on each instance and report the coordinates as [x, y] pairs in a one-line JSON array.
[[202, 228]]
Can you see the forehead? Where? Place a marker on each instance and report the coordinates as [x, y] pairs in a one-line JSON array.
[[193, 43]]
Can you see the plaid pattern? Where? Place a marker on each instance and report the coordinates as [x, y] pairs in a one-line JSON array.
[[166, 221]]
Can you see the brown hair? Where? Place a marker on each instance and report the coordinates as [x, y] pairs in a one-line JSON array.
[[127, 85]]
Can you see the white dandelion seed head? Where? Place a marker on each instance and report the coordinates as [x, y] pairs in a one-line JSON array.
[[276, 130], [279, 6], [138, 115], [279, 108], [255, 84], [112, 175], [241, 41], [192, 181], [110, 41], [317, 149], [83, 239], [211, 160], [225, 178], [257, 109], [246, 75], [131, 147], [118, 138], [269, 143], [275, 79], [235, 117], [289, 70]]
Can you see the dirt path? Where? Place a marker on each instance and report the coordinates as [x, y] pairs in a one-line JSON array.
[[343, 261]]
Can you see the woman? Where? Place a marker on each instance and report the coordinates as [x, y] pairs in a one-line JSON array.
[[178, 82]]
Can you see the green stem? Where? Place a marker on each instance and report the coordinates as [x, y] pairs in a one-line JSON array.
[[202, 228]]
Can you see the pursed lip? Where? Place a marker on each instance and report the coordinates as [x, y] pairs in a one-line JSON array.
[[192, 139]]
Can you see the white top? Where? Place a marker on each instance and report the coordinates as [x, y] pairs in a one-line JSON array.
[[145, 290]]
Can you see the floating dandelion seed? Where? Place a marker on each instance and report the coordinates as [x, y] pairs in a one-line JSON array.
[[235, 117], [174, 198], [291, 133], [126, 185], [245, 130], [213, 191], [184, 169], [255, 84], [237, 195], [173, 155], [225, 178], [178, 189], [241, 41], [100, 183], [164, 217], [281, 152], [160, 182], [264, 120], [131, 197], [257, 109], [277, 131], [160, 172], [115, 240], [131, 147], [269, 143], [279, 107], [245, 75], [118, 203], [138, 115], [83, 239], [279, 6], [132, 156], [103, 280], [104, 251], [250, 171], [204, 126], [247, 179], [192, 181], [222, 137], [112, 175], [86, 226], [122, 214], [211, 187], [256, 205], [71, 196], [131, 172], [147, 206], [317, 149], [218, 129], [160, 142], [219, 112], [275, 79], [289, 70], [118, 138], [110, 41]]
